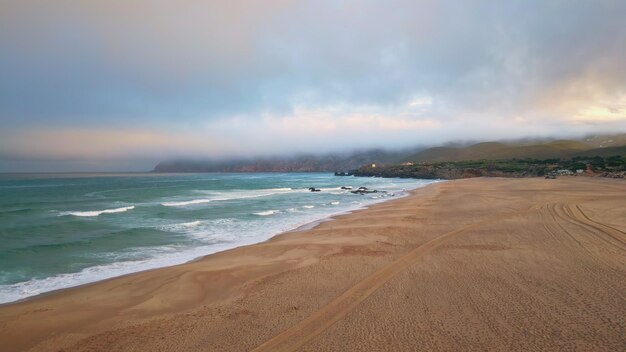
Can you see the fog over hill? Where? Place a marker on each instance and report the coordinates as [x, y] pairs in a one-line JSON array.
[[605, 145], [300, 163]]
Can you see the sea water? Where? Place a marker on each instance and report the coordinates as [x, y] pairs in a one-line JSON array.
[[59, 231]]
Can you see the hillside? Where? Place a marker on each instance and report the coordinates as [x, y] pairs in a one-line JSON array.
[[613, 166], [604, 152], [302, 163], [527, 149], [496, 151]]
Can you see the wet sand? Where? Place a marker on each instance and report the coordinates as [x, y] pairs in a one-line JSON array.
[[477, 264]]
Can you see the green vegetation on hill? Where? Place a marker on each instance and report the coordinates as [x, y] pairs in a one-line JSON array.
[[604, 152], [612, 166], [497, 151]]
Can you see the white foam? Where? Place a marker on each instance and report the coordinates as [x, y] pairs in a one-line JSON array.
[[181, 226], [14, 292], [334, 203], [185, 203], [266, 213], [97, 212], [309, 206], [209, 231], [249, 193], [230, 195]]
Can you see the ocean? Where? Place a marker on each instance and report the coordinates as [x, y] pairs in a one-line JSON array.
[[64, 230]]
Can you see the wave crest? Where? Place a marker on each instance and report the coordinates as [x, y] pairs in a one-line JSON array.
[[233, 195], [266, 213], [97, 212], [187, 202]]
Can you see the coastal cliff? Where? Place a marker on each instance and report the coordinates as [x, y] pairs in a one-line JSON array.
[[302, 163]]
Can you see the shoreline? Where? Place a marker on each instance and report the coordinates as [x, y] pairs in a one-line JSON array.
[[313, 224], [470, 248], [309, 225]]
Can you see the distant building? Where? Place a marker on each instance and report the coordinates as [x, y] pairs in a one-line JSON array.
[[565, 172], [580, 171], [408, 163]]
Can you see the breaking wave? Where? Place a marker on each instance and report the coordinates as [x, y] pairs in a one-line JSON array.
[[232, 195], [266, 213], [97, 212]]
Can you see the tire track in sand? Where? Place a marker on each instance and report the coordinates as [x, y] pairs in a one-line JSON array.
[[560, 214], [577, 213], [301, 333]]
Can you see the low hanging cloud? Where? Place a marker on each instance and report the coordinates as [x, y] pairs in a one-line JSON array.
[[113, 79]]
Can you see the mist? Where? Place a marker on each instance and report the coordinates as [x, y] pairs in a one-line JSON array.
[[122, 85]]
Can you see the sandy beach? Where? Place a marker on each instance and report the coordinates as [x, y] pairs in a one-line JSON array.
[[476, 264]]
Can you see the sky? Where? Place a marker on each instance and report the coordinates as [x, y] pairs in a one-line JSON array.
[[120, 85]]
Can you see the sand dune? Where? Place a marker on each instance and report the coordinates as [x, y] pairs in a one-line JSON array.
[[479, 264]]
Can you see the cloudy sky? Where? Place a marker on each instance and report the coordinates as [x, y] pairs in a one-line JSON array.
[[97, 85]]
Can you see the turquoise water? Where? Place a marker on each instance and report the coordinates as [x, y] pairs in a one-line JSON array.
[[58, 231]]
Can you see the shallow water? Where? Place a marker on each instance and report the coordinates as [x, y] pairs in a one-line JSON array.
[[58, 231]]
